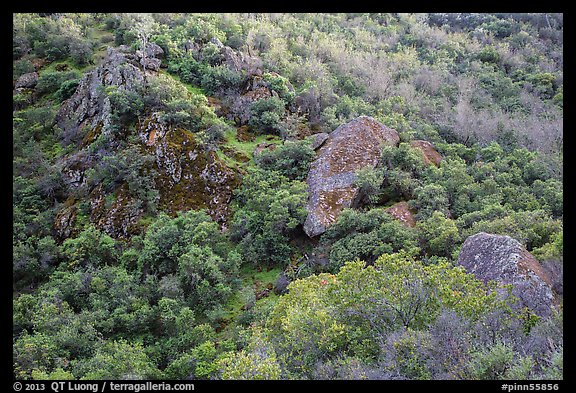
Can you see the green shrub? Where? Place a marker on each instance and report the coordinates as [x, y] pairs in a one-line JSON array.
[[265, 115]]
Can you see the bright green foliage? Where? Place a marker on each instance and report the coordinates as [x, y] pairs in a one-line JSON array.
[[90, 248], [257, 361], [280, 85], [57, 375], [34, 352], [271, 207], [198, 363], [357, 308]]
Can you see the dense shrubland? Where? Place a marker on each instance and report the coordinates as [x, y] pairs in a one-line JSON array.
[[183, 299]]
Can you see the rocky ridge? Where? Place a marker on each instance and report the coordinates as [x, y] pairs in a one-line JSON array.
[[186, 175]]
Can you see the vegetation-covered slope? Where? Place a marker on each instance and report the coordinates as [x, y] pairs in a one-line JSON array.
[[160, 166]]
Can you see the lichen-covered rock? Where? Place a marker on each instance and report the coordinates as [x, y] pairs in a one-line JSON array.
[[504, 260], [186, 175], [350, 147], [428, 151], [64, 221], [189, 177], [239, 62], [27, 81], [401, 211], [118, 214]]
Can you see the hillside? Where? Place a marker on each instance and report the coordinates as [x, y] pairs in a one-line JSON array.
[[288, 196]]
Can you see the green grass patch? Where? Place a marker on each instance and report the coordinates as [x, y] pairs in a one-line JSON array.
[[254, 280], [247, 148]]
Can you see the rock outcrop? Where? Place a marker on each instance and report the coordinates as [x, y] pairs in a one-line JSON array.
[[317, 140], [401, 211], [186, 175], [27, 81], [118, 218], [428, 151], [350, 147], [504, 260], [189, 177], [89, 107]]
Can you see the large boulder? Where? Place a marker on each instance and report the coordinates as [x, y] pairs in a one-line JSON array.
[[504, 260], [350, 147]]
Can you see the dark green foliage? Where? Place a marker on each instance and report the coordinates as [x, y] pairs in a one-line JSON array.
[[271, 208], [219, 78], [292, 159], [191, 249], [22, 67], [366, 236], [188, 69], [125, 105], [265, 115], [66, 89], [186, 298], [52, 82]]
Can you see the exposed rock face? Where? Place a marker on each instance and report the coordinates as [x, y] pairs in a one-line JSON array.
[[27, 81], [89, 107], [118, 218], [187, 176], [190, 177], [349, 147], [429, 152], [64, 221], [505, 260], [401, 211], [237, 61], [318, 140]]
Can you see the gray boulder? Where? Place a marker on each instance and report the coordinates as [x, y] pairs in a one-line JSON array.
[[504, 260], [350, 147], [27, 81], [89, 107]]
